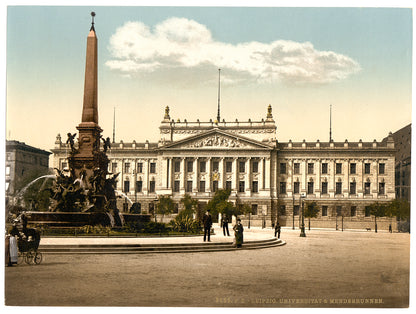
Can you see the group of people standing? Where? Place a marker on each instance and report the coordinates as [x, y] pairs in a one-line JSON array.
[[238, 228]]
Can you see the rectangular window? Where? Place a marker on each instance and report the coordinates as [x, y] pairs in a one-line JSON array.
[[381, 168], [152, 167], [282, 210], [152, 187], [296, 186], [127, 167], [324, 168], [367, 211], [338, 188], [139, 186], [296, 168], [367, 168], [367, 186], [188, 186], [296, 210], [254, 209], [353, 211], [176, 186], [228, 185], [353, 168], [255, 166], [353, 188], [64, 165], [190, 166], [338, 168], [228, 166], [282, 168], [242, 166], [324, 189], [201, 186], [310, 187], [202, 166], [282, 187], [177, 166], [324, 210], [176, 208], [214, 186], [339, 210], [381, 189], [255, 186], [139, 167], [126, 187], [241, 186], [8, 170], [215, 166], [114, 167], [310, 168]]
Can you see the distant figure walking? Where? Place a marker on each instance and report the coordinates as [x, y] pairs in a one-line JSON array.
[[390, 230], [238, 233], [224, 224], [207, 222], [277, 230]]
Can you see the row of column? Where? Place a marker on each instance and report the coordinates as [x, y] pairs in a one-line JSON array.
[[209, 176]]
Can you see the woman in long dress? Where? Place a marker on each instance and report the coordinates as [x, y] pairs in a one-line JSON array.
[[238, 233], [14, 233]]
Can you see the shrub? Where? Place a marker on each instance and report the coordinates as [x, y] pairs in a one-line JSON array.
[[185, 223]]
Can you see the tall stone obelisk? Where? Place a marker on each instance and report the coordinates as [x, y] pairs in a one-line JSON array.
[[88, 160]]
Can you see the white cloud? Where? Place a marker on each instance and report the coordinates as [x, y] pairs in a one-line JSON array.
[[183, 43]]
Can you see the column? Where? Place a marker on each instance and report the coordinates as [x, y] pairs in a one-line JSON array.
[[234, 180], [208, 177], [317, 183], [146, 166], [195, 175], [261, 174], [221, 172], [267, 173], [182, 176], [248, 176]]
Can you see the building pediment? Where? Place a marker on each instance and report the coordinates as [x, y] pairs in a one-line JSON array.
[[217, 139]]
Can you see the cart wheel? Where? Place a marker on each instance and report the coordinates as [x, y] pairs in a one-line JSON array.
[[37, 258], [30, 255], [20, 258]]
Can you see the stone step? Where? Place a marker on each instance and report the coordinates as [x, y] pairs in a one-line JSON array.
[[157, 248]]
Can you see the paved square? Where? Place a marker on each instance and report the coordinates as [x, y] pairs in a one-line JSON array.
[[325, 269]]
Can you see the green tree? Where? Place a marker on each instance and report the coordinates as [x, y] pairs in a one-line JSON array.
[[401, 210], [220, 204], [377, 210], [190, 206], [165, 206], [311, 210]]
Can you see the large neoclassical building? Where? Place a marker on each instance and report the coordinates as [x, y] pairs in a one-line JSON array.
[[198, 158]]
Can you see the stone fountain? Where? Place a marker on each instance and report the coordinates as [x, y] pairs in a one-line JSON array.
[[85, 193]]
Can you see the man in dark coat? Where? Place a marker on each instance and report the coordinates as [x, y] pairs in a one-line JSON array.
[[224, 224], [207, 222], [277, 230]]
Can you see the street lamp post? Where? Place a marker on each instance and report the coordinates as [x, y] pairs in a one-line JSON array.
[[302, 227], [293, 214]]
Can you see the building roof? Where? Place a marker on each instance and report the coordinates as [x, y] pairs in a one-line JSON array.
[[16, 145]]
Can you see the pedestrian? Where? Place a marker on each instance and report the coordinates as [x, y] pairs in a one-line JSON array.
[[207, 222], [277, 230], [390, 230], [224, 224], [238, 233]]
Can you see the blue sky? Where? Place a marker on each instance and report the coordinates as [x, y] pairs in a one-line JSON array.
[[299, 60]]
